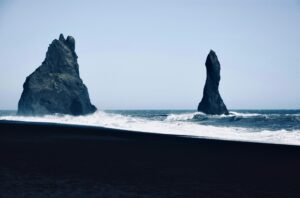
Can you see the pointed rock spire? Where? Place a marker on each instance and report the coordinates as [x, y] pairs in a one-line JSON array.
[[212, 102], [61, 38]]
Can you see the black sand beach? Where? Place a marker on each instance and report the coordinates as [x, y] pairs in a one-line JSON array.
[[53, 160]]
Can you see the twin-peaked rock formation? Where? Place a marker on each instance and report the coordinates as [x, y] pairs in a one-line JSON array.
[[55, 86]]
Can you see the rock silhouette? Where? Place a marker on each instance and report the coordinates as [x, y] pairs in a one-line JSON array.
[[212, 102], [55, 86]]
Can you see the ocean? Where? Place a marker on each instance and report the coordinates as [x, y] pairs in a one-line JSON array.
[[268, 126]]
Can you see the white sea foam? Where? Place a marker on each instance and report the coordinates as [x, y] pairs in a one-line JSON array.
[[233, 113], [190, 116], [183, 116], [173, 124]]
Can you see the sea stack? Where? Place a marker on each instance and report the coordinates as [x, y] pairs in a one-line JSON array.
[[212, 102], [55, 86]]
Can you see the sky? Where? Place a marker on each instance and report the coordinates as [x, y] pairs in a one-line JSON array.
[[151, 54]]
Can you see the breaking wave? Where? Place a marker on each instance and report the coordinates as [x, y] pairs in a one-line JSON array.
[[254, 127]]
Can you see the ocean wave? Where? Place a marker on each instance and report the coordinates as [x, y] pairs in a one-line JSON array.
[[200, 115], [245, 115], [183, 116], [173, 124]]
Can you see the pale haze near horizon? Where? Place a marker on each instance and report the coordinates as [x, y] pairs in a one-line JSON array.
[[151, 54]]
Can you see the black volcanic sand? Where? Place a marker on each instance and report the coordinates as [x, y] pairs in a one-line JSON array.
[[52, 160]]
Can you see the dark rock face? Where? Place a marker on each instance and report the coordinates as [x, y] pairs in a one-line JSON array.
[[55, 86], [212, 102]]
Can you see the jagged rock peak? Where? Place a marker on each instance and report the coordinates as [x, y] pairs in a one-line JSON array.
[[212, 102], [69, 42], [56, 86], [61, 38]]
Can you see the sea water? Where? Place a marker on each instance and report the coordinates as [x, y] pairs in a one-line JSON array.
[[269, 126]]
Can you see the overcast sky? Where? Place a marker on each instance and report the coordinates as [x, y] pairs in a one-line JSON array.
[[151, 54]]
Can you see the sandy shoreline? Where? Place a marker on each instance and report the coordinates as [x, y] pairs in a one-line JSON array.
[[54, 160]]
